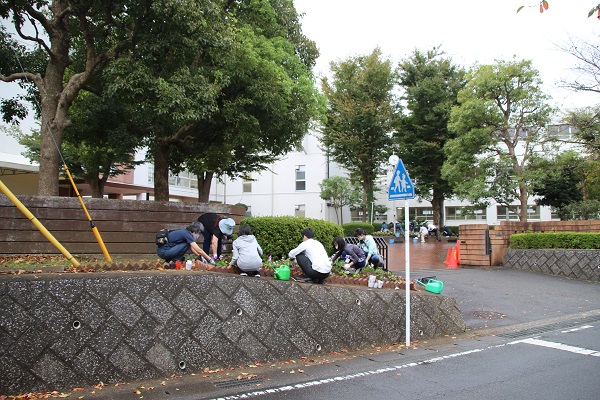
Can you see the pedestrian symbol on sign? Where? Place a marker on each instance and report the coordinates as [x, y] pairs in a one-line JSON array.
[[401, 187]]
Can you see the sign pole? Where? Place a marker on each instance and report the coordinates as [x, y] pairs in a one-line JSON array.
[[407, 269], [401, 187]]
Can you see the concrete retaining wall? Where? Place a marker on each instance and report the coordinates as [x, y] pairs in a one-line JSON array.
[[81, 329], [576, 264]]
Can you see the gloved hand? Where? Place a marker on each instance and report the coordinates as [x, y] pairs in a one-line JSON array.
[[215, 257], [212, 261]]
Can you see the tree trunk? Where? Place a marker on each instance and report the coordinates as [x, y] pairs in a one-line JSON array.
[[436, 203], [161, 172], [523, 199], [95, 188], [204, 183], [54, 113]]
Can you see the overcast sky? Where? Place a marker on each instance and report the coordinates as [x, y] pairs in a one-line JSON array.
[[470, 31]]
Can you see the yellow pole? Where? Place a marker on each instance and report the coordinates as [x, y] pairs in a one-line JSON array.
[[38, 224], [92, 225]]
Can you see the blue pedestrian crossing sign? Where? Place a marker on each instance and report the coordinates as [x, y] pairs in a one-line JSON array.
[[401, 187]]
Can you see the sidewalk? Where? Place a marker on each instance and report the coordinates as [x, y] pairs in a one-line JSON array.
[[428, 255], [496, 296]]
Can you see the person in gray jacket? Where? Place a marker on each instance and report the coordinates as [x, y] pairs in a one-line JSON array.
[[247, 253]]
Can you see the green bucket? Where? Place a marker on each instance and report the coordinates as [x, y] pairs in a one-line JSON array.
[[433, 285]]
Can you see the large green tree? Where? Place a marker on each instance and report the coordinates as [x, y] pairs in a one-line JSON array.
[[500, 122], [169, 78], [431, 83], [360, 118], [269, 100], [227, 106], [70, 42]]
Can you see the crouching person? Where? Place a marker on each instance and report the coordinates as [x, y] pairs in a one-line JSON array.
[[312, 258], [180, 241], [247, 253]]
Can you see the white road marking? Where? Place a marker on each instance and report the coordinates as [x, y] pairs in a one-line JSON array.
[[288, 388], [560, 346], [354, 376]]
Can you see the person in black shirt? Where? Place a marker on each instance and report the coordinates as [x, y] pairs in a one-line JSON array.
[[215, 230]]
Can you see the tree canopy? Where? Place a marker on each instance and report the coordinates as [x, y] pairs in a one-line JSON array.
[[70, 43], [499, 123], [217, 86], [431, 84], [360, 116]]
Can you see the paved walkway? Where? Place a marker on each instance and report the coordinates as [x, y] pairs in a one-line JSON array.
[[428, 255]]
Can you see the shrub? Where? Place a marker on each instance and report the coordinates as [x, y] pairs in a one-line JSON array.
[[350, 227], [278, 235], [562, 240]]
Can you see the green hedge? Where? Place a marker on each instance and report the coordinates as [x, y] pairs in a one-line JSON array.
[[350, 227], [562, 240], [278, 235]]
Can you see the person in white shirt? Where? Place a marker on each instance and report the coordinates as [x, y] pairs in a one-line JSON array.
[[312, 257], [433, 230], [424, 233]]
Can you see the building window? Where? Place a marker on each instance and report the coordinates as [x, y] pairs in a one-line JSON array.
[[151, 174], [511, 213], [300, 211], [464, 214], [300, 177], [421, 214], [184, 179], [247, 184]]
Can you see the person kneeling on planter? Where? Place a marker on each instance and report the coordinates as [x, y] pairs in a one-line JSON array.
[[312, 258], [180, 241], [369, 246], [353, 256]]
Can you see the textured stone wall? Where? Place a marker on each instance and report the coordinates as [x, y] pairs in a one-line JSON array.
[[576, 264], [79, 329]]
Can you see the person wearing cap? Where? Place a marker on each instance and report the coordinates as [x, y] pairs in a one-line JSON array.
[[180, 241], [216, 229]]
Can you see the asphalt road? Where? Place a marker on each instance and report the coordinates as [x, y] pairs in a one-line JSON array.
[[561, 364]]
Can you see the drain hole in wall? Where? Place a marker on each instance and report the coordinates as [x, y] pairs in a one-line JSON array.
[[182, 365], [76, 324], [239, 311]]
